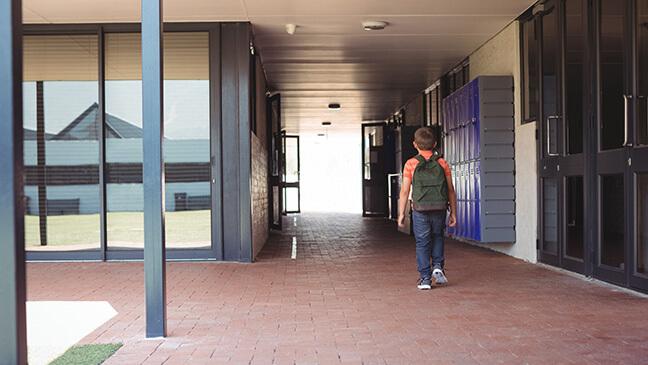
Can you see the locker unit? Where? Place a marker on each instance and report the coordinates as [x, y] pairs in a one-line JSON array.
[[478, 130]]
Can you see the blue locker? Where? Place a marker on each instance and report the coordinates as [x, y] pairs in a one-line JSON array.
[[444, 120], [457, 106], [471, 180], [463, 200], [460, 143], [449, 153], [471, 219], [467, 122], [477, 219], [454, 146], [471, 120], [477, 129], [453, 170]]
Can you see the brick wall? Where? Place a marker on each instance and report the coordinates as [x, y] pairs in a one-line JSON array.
[[414, 112], [260, 228], [259, 170]]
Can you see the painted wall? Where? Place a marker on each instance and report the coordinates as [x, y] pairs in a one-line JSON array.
[[501, 56]]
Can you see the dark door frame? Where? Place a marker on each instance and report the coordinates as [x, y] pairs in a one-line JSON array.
[[558, 164], [382, 182], [275, 160], [285, 185]]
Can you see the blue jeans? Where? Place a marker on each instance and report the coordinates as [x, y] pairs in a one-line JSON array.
[[428, 231]]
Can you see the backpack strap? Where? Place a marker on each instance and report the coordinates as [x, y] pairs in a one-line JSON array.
[[420, 158]]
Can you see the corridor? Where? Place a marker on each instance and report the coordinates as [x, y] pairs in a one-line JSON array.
[[348, 294]]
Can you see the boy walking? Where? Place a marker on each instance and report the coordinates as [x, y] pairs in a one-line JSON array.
[[430, 178]]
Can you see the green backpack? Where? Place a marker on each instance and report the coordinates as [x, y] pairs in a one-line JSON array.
[[429, 186]]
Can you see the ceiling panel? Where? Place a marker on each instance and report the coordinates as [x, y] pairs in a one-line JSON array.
[[396, 25], [511, 8], [330, 58]]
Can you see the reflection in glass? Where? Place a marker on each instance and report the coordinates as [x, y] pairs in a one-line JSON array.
[[611, 55], [575, 219], [574, 76], [530, 44], [186, 145], [61, 148], [549, 79], [642, 72], [550, 215], [642, 223], [612, 221]]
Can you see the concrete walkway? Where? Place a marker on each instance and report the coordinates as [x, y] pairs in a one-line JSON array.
[[350, 296]]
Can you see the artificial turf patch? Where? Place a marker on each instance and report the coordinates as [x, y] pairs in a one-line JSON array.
[[87, 354]]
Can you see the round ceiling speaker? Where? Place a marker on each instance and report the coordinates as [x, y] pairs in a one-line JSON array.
[[374, 25]]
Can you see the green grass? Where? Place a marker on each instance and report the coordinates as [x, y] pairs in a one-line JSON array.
[[87, 354], [83, 229]]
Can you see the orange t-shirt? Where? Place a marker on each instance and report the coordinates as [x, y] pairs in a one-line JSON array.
[[410, 165]]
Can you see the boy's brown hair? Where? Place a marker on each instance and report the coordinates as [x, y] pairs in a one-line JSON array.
[[425, 138]]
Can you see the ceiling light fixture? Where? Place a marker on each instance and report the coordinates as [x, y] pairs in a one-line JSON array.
[[290, 28], [334, 106], [374, 25]]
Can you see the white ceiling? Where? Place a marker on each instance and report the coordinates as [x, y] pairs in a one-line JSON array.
[[330, 58]]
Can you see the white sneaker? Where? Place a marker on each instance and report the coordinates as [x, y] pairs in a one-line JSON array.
[[439, 275], [425, 284]]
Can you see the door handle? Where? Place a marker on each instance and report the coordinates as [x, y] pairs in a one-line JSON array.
[[549, 118], [625, 121]]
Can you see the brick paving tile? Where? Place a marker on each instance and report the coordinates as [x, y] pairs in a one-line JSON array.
[[350, 297]]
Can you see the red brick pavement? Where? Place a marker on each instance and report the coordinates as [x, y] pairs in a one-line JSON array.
[[350, 297]]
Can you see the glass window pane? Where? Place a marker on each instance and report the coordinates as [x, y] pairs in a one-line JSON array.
[[292, 159], [291, 199], [186, 140], [186, 146], [642, 223], [61, 147], [549, 74], [124, 190], [611, 54], [550, 215], [530, 64], [642, 75], [612, 221], [574, 76], [575, 218]]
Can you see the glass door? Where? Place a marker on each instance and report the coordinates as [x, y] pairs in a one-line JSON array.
[[561, 166], [550, 119], [374, 173], [639, 152], [275, 139], [291, 191], [622, 157]]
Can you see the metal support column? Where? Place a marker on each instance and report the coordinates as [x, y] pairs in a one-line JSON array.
[[153, 168], [13, 337], [41, 162]]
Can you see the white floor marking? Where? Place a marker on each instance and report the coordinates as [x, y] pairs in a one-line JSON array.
[[294, 249]]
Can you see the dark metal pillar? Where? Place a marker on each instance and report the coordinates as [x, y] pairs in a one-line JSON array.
[[13, 337], [41, 163], [101, 123], [235, 96], [153, 168]]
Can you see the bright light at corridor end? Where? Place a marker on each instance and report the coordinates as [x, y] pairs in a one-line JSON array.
[[331, 171]]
